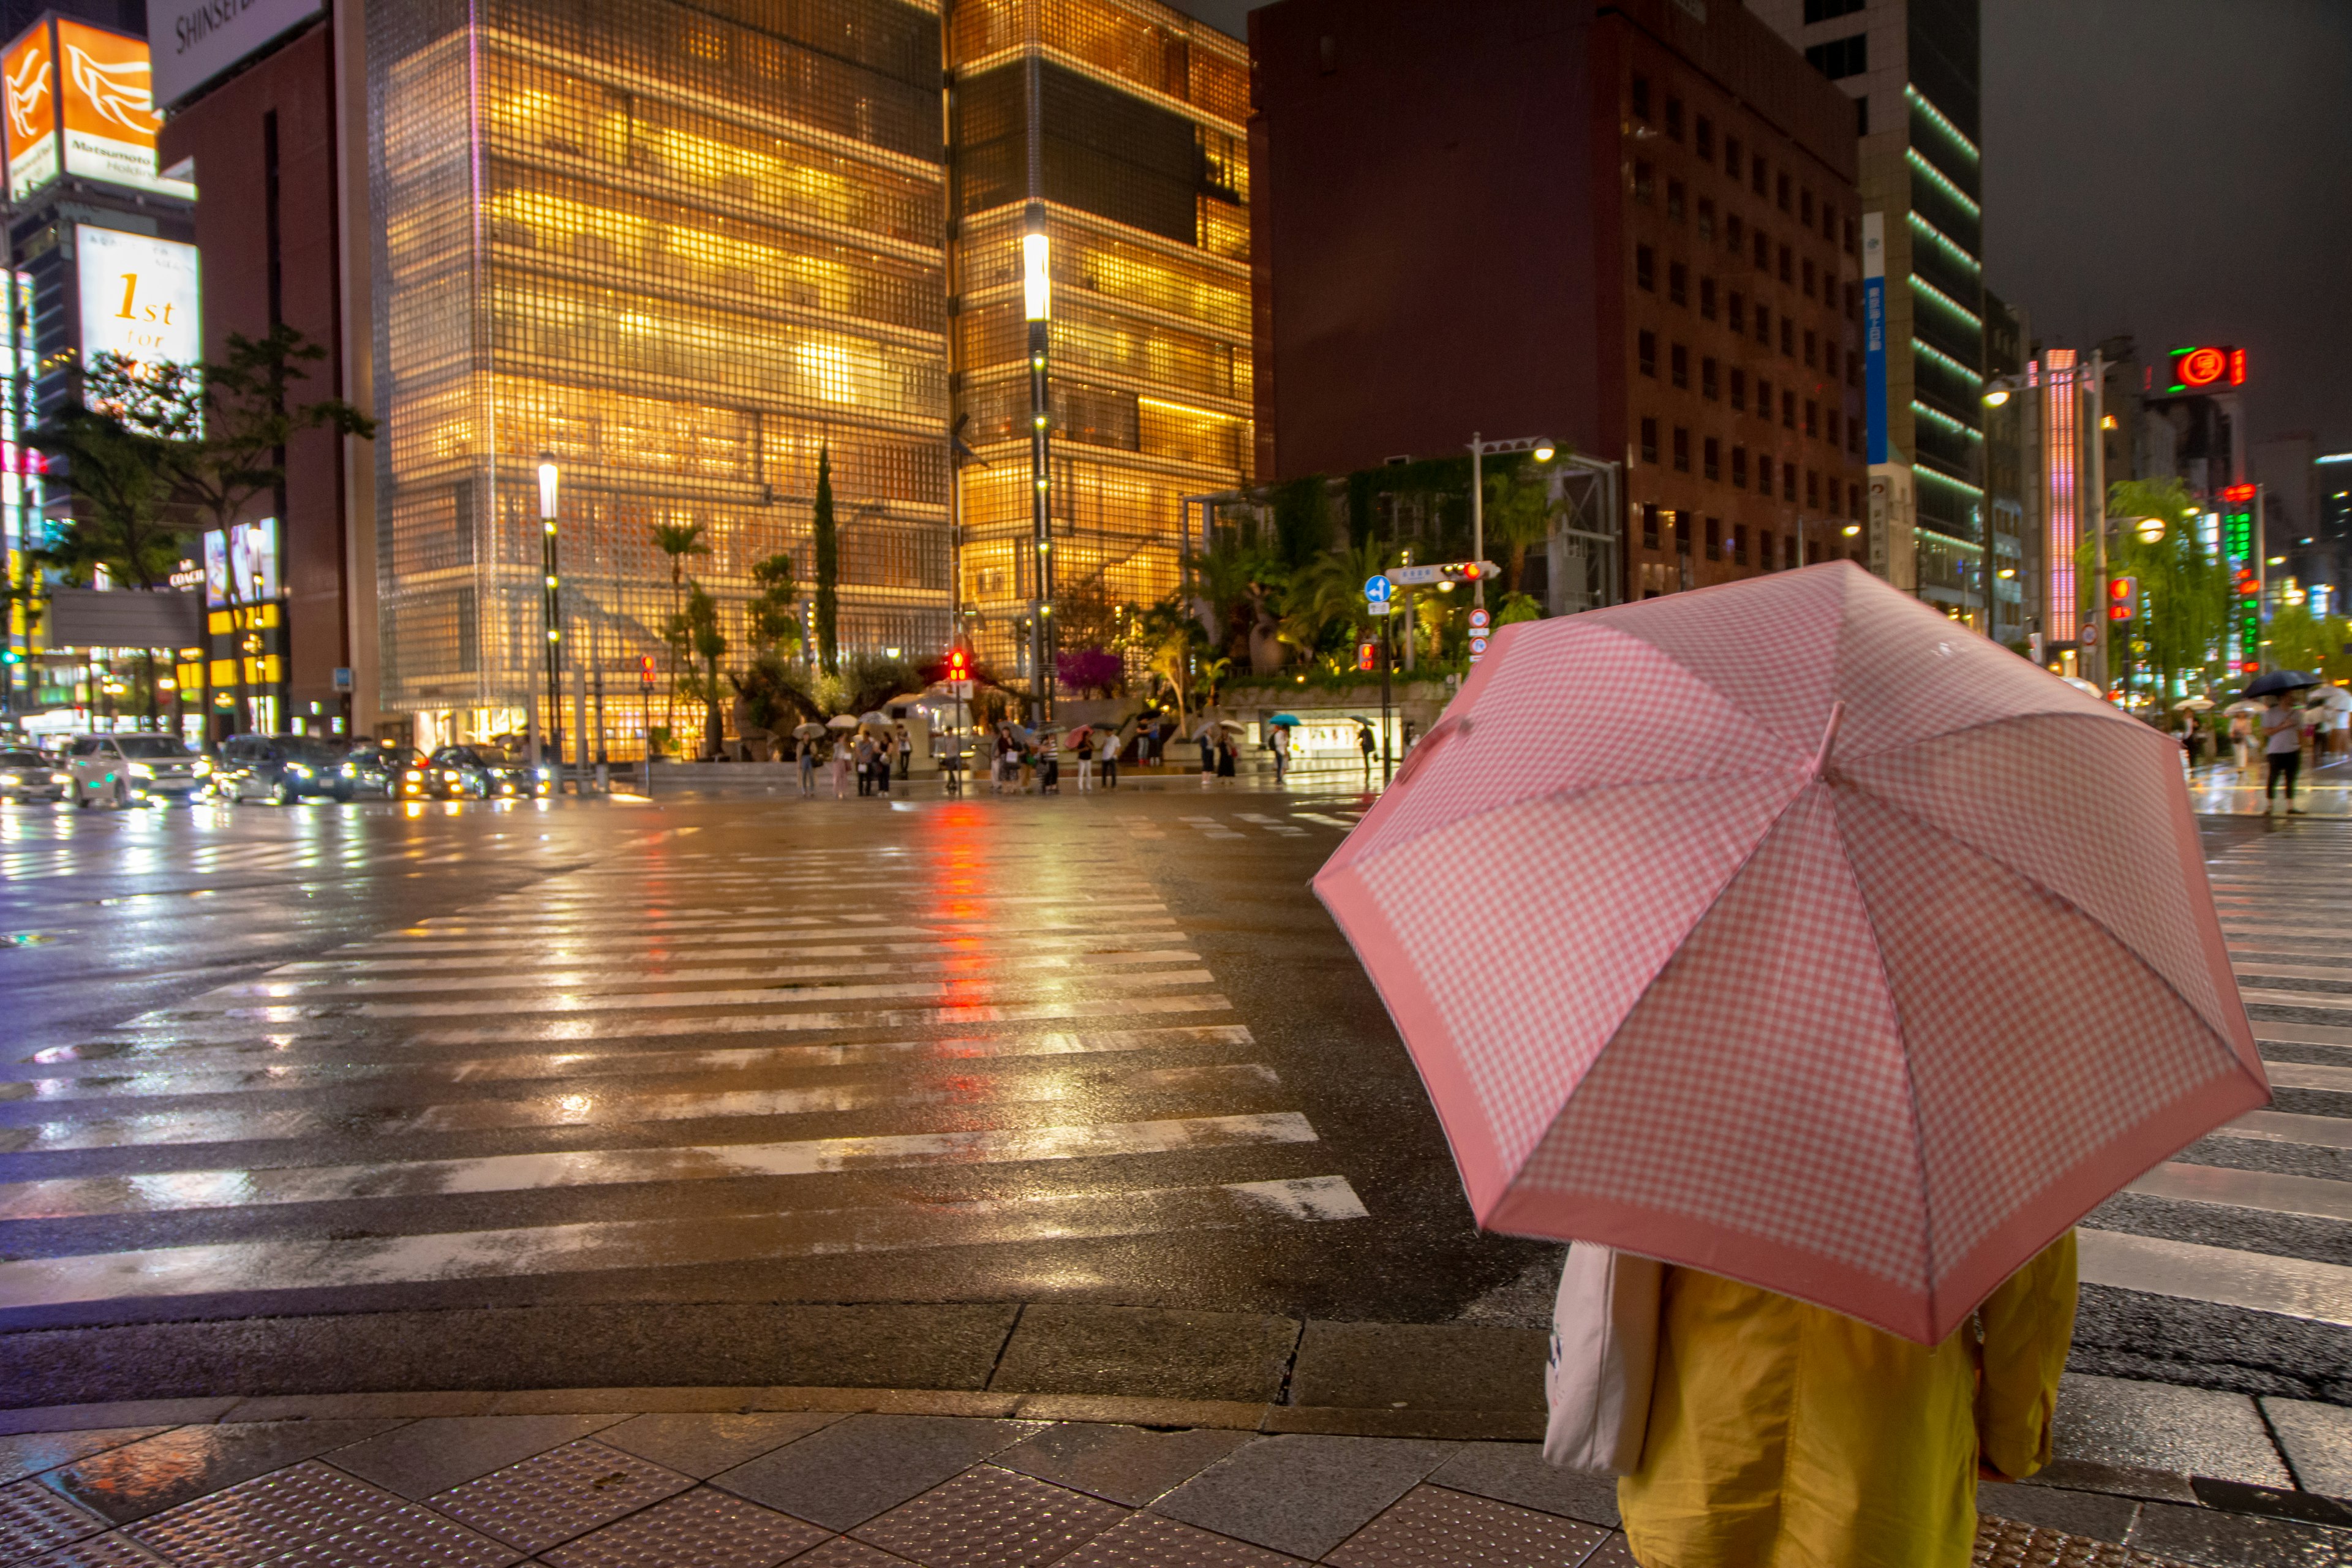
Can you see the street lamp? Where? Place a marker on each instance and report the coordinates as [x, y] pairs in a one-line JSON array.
[[2151, 530], [1037, 305], [1542, 449], [552, 606]]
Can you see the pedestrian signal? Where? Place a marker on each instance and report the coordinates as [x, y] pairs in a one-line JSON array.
[[644, 669], [2123, 598], [1366, 652], [958, 665]]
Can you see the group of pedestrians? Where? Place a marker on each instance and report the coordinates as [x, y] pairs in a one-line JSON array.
[[1022, 760], [2276, 729], [871, 756]]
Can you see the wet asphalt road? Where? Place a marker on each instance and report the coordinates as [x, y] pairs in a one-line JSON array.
[[315, 1066]]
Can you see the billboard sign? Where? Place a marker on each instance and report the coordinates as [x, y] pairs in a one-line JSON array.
[[2208, 367], [1873, 332], [30, 69], [139, 297], [193, 41], [248, 560], [108, 110]]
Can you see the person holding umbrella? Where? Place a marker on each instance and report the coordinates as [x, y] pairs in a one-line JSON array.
[[1819, 1085], [2282, 724]]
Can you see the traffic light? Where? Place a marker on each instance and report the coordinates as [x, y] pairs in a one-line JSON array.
[[644, 669], [1444, 574], [2123, 598], [958, 665], [1367, 653]]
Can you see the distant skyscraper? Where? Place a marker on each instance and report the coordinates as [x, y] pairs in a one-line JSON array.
[[1911, 67]]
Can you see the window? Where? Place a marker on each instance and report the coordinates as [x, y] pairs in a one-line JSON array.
[[1706, 298], [1830, 10], [1708, 387], [1829, 358], [1763, 474], [1731, 156], [1674, 118], [1853, 302], [1640, 98], [1645, 352], [1682, 448], [1813, 417], [1763, 324], [1649, 440], [1841, 58], [1809, 275], [1763, 398], [1788, 482], [1854, 436], [1853, 506], [1710, 463], [1805, 206], [1763, 252], [1789, 410], [1644, 180], [1740, 468], [1764, 548], [1812, 489], [1703, 138], [1787, 337], [1740, 545], [1705, 218], [1758, 179], [1645, 268], [1810, 341], [1679, 360], [1783, 196], [1832, 417], [1787, 272], [1739, 390], [1849, 237], [1715, 538], [1734, 233], [1682, 525], [1735, 312], [1649, 524], [1678, 283], [1674, 200]]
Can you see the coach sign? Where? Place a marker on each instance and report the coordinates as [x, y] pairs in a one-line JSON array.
[[193, 41]]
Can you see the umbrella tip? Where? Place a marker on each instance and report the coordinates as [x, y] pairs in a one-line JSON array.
[[1829, 738]]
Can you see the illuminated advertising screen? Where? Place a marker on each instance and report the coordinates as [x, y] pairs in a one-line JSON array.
[[2208, 367], [139, 297], [108, 108], [249, 558], [29, 69]]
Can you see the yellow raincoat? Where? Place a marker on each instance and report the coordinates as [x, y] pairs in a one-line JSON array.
[[1786, 1436]]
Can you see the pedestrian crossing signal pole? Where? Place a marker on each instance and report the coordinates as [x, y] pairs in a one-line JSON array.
[[551, 612], [1037, 297]]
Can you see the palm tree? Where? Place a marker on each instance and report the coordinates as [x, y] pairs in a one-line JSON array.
[[678, 540], [1329, 591], [1519, 509]]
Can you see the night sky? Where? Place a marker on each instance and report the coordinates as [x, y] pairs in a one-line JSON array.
[[2174, 169]]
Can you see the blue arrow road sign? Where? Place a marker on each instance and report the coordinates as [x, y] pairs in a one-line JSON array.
[[1376, 590]]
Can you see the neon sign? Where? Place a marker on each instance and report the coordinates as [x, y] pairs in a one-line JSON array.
[[2206, 366]]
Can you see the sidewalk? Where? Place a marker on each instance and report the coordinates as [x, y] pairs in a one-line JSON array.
[[2148, 1475], [2217, 789]]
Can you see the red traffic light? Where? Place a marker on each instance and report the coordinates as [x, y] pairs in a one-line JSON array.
[[958, 664], [2123, 598], [2238, 495], [645, 669], [1471, 571], [1365, 650]]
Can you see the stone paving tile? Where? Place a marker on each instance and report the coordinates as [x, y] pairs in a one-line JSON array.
[[1303, 1495], [990, 1518], [30, 1453], [1516, 1473], [98, 1551], [1152, 1541], [1430, 1527], [2202, 1535], [1125, 1464], [1147, 1351], [312, 1513], [147, 1477], [857, 1467], [2112, 1423], [704, 1528], [440, 1452], [1419, 1366], [2318, 1442], [34, 1518], [565, 1493], [702, 1446]]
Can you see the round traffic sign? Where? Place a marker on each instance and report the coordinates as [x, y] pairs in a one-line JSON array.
[[1477, 646], [1477, 620], [1377, 589]]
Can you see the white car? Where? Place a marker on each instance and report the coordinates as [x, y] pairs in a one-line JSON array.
[[131, 769]]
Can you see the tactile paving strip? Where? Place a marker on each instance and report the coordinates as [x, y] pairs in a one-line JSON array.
[[1431, 1527], [34, 1518], [98, 1551], [2006, 1543], [312, 1513], [565, 1493], [707, 1527], [1151, 1541], [991, 1518]]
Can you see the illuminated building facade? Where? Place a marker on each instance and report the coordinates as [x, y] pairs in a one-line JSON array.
[[682, 250], [1117, 130]]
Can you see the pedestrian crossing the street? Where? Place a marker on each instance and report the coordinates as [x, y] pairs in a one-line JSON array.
[[2256, 1219], [676, 1058]]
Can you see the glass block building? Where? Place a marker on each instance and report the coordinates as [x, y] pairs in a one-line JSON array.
[[681, 248], [1116, 129]]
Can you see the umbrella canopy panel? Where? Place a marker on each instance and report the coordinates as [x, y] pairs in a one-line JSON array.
[[1842, 985]]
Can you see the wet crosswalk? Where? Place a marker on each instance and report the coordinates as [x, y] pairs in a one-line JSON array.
[[2256, 1222], [676, 1057]]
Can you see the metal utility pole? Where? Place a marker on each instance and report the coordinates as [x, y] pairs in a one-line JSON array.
[[551, 601], [1388, 660], [2095, 510]]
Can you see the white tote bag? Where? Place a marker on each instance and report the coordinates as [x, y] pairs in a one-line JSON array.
[[1604, 1354]]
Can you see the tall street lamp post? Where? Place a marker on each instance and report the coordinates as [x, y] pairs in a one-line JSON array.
[[551, 609], [1541, 447], [1037, 303]]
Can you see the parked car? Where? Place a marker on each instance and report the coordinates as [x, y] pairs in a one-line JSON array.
[[28, 774], [133, 768], [283, 768], [374, 767], [480, 771]]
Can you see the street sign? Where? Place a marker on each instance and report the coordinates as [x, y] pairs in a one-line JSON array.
[[1377, 589], [1477, 620], [342, 677], [2088, 633], [960, 689], [1477, 648], [1380, 608], [1447, 572]]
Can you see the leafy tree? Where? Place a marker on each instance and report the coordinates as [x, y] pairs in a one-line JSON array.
[[2184, 589], [2300, 641], [1327, 594], [695, 631], [1518, 608], [1088, 669], [1519, 509], [773, 620], [1242, 582], [1303, 523], [677, 541], [827, 541]]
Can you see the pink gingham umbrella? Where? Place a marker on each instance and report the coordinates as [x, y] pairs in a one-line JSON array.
[[1787, 931]]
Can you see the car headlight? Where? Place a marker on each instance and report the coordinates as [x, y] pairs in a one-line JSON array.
[[545, 772], [203, 765], [12, 778], [142, 770], [449, 777], [61, 778], [351, 771], [298, 770]]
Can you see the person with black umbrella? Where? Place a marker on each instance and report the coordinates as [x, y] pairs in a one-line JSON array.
[[2282, 731]]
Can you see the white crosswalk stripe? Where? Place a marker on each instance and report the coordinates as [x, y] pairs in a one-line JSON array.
[[774, 1042]]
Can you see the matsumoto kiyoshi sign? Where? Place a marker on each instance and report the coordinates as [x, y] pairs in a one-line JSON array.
[[193, 41]]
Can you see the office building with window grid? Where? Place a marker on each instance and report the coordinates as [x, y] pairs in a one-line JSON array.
[[1912, 68]]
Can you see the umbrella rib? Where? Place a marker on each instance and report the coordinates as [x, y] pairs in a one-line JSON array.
[[1901, 746]]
